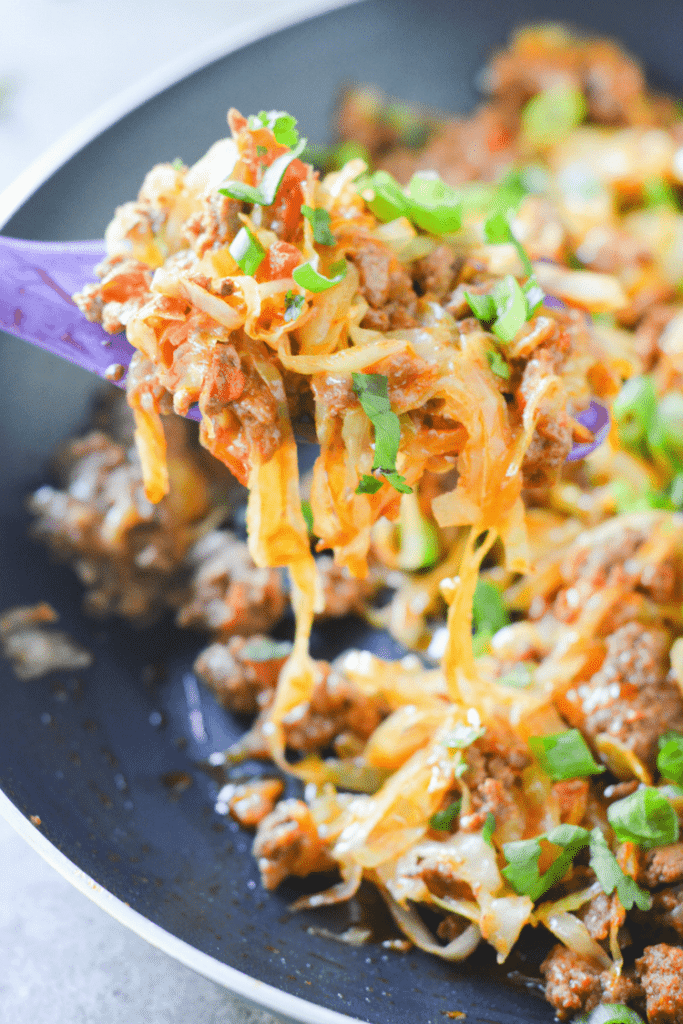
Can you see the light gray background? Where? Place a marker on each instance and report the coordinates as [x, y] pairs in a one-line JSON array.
[[62, 959]]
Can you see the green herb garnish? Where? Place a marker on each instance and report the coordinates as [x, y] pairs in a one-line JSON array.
[[442, 820], [306, 276], [489, 828], [670, 757], [247, 251], [320, 222], [264, 193], [523, 856], [434, 205], [612, 1013], [657, 192], [564, 755], [281, 124], [551, 115], [497, 363], [645, 818], [489, 614], [371, 389], [307, 513], [293, 305], [519, 677], [177, 164]]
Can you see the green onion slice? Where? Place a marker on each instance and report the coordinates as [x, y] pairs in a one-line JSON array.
[[247, 251], [497, 363], [434, 205], [442, 820], [320, 222], [551, 115], [306, 276], [281, 124], [264, 193], [371, 389]]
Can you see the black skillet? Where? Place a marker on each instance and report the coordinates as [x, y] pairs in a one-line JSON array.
[[81, 753]]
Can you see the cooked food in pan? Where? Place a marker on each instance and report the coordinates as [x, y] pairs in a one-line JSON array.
[[448, 306]]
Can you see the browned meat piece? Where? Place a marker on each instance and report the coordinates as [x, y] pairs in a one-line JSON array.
[[122, 291], [572, 985], [597, 915], [344, 594], [287, 843], [666, 912], [216, 224], [649, 331], [250, 802], [629, 698], [661, 972], [437, 273], [662, 866], [495, 763], [548, 451], [228, 593], [128, 553], [242, 673], [386, 286], [336, 707]]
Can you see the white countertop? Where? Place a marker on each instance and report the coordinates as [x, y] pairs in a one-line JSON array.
[[64, 960]]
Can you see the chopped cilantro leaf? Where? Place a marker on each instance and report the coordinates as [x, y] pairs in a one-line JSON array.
[[489, 828], [247, 251], [564, 755], [645, 817], [320, 222], [488, 608], [442, 820], [293, 305], [611, 877], [670, 756], [371, 391], [306, 276], [263, 194], [497, 363], [523, 856]]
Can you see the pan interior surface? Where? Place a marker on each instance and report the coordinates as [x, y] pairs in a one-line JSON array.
[[92, 753]]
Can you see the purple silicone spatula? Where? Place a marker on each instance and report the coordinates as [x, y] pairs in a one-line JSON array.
[[37, 280]]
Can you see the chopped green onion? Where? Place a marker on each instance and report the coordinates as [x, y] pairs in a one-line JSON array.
[[247, 251], [483, 306], [611, 877], [488, 607], [264, 193], [612, 1013], [657, 192], [320, 222], [335, 157], [293, 305], [645, 818], [307, 513], [551, 115], [434, 205], [265, 649], [564, 755], [383, 196], [670, 417], [442, 820], [634, 410], [306, 276], [676, 491], [281, 124], [417, 537], [670, 756], [413, 130], [371, 389], [511, 308], [519, 677], [463, 736], [177, 164], [489, 828]]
